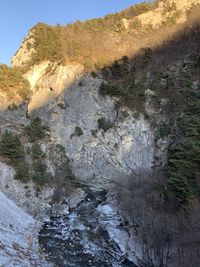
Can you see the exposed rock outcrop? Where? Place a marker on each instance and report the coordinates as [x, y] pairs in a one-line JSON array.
[[24, 53], [176, 9], [48, 80], [98, 153], [33, 200], [18, 237]]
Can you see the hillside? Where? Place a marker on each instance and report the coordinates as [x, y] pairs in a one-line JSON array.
[[109, 104], [97, 42], [14, 89]]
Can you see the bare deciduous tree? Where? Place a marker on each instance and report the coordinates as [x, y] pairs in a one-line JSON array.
[[166, 237]]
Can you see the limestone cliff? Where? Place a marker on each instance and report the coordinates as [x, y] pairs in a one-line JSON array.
[[68, 101], [18, 237], [98, 155], [103, 140], [170, 9], [103, 137]]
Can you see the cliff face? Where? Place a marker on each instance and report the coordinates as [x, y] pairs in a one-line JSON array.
[[49, 80], [24, 53], [102, 140], [32, 202], [105, 138], [18, 236], [66, 102], [167, 10]]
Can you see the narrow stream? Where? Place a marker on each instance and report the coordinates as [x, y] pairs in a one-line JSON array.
[[90, 235]]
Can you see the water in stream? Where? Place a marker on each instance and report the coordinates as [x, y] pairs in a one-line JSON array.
[[90, 235]]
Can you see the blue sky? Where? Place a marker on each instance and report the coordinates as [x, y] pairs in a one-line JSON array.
[[18, 16]]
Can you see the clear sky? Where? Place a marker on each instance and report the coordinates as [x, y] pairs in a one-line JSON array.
[[18, 16]]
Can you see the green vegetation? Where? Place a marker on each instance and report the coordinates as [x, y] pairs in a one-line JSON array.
[[12, 149], [132, 96], [36, 151], [109, 89], [35, 130], [13, 83], [121, 83], [22, 171], [78, 132], [174, 93], [64, 164], [94, 74], [130, 12], [12, 106], [85, 42], [47, 44], [164, 130], [88, 43], [41, 176], [104, 124], [184, 155]]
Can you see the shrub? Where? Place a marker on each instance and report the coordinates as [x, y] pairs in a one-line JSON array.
[[94, 74], [109, 89], [184, 152], [24, 93], [47, 44], [41, 176], [12, 106], [11, 147], [137, 9], [36, 151], [94, 132], [164, 130], [104, 124], [35, 130], [85, 42], [13, 82], [136, 24], [22, 171], [67, 170], [78, 132]]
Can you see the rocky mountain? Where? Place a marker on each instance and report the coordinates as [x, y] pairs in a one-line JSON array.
[[98, 101], [67, 99]]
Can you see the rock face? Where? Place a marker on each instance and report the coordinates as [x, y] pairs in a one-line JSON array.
[[102, 141], [166, 10], [26, 196], [48, 80], [78, 119], [24, 53], [73, 109], [18, 237]]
